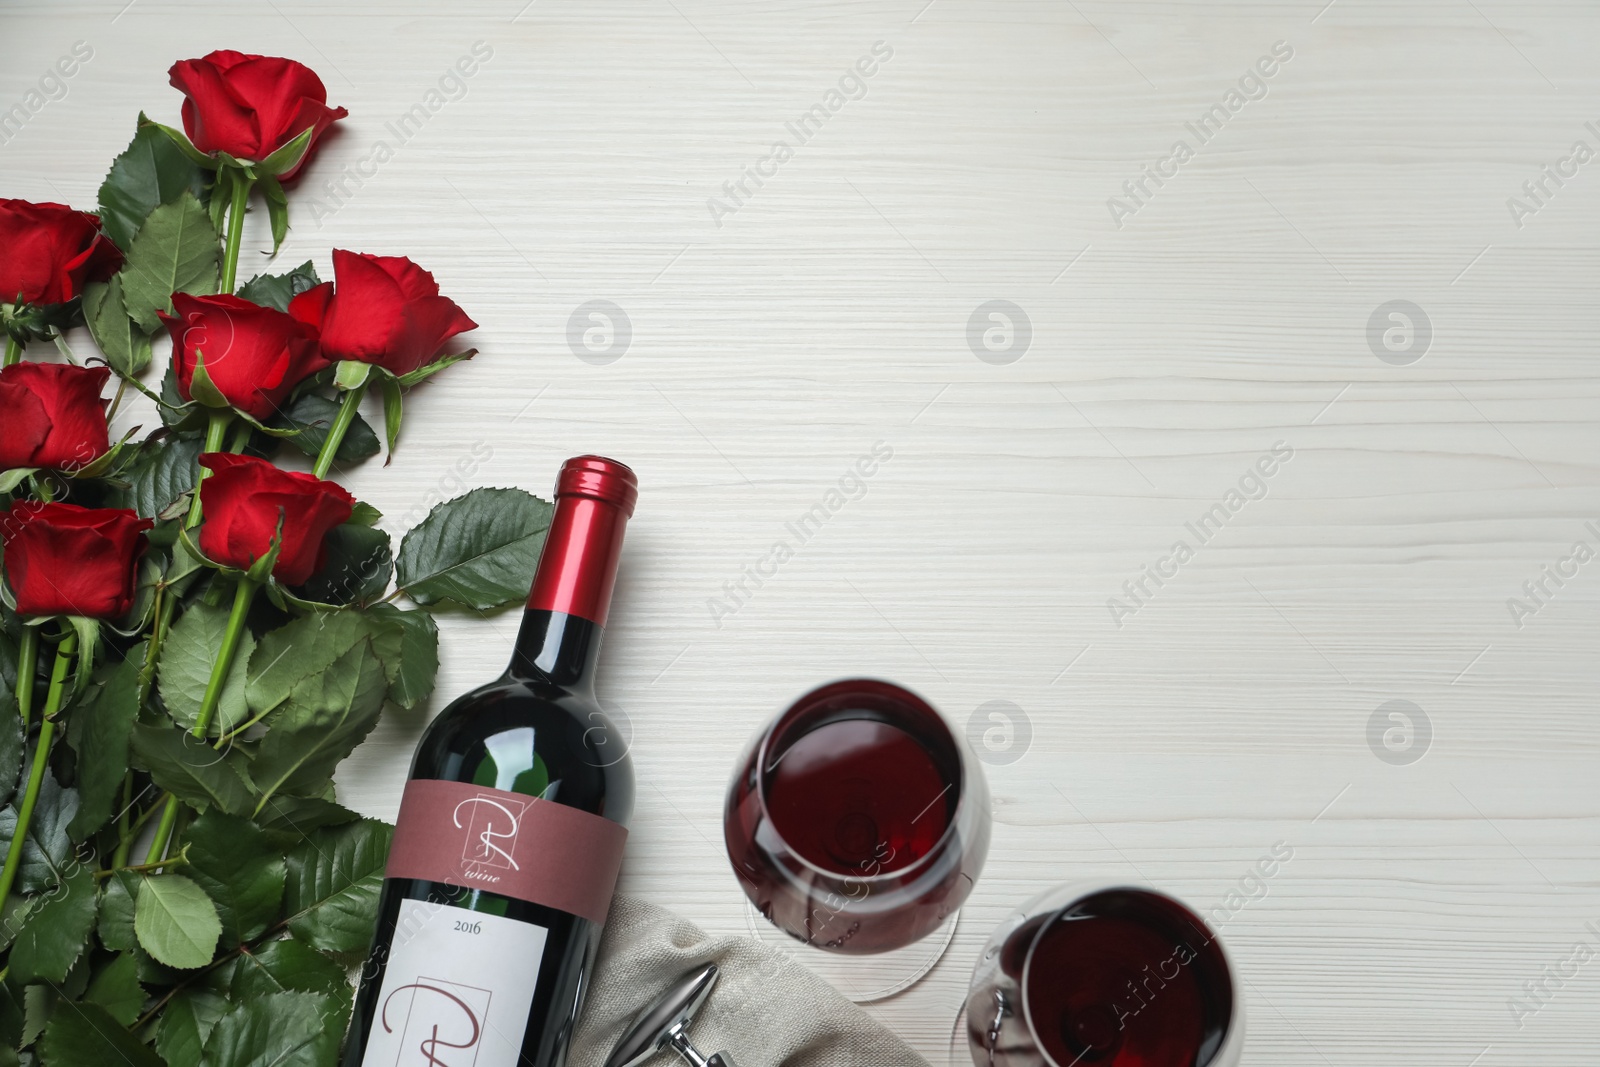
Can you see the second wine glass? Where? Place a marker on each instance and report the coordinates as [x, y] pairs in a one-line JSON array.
[[857, 823]]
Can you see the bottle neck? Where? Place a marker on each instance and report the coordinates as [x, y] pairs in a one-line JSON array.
[[571, 594], [578, 564], [557, 648]]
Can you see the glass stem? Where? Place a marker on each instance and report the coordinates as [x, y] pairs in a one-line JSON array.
[[41, 759], [336, 432]]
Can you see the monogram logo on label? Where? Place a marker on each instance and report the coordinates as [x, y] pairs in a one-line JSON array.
[[434, 1016], [492, 824]]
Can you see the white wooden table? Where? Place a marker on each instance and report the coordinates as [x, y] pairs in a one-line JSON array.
[[1432, 474]]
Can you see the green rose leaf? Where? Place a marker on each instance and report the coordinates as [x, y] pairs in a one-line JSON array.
[[417, 665], [14, 916], [37, 1001], [8, 657], [11, 1019], [312, 415], [325, 717], [295, 967], [115, 987], [117, 897], [163, 471], [150, 172], [306, 647], [86, 1035], [48, 848], [56, 933], [276, 290], [190, 652], [334, 877], [234, 862], [186, 1022], [285, 967], [126, 347], [287, 820], [108, 710], [479, 549], [358, 567], [279, 1030], [192, 770], [10, 747], [176, 922], [177, 251]]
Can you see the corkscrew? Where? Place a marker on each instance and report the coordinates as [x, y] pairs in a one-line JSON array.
[[665, 1024]]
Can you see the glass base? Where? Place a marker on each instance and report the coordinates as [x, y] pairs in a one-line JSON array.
[[959, 1053], [861, 978]]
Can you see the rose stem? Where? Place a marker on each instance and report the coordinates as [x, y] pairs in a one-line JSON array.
[[243, 594], [41, 758], [116, 401], [65, 349], [215, 433], [336, 432], [216, 430], [125, 841], [13, 351], [152, 651], [122, 819], [27, 665], [236, 210]]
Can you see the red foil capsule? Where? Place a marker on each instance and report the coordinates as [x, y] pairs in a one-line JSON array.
[[578, 567]]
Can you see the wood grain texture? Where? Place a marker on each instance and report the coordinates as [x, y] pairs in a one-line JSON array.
[[830, 311]]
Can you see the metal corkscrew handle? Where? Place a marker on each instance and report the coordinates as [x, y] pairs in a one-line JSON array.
[[665, 1025]]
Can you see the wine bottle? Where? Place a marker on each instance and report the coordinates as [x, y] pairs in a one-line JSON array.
[[511, 828]]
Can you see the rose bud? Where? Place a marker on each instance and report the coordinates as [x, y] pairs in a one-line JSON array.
[[386, 310], [55, 416], [244, 501], [253, 355], [51, 253], [250, 106], [65, 560]]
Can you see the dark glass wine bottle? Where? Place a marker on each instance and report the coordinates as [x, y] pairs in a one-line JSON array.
[[511, 828]]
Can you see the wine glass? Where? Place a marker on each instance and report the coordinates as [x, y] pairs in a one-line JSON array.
[[857, 823], [1104, 974]]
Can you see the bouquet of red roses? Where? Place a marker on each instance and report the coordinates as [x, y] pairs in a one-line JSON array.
[[191, 636]]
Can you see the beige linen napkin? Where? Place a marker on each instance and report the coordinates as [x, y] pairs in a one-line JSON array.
[[767, 1010]]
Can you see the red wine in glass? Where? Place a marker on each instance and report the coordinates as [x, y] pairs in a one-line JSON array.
[[858, 820], [1119, 976]]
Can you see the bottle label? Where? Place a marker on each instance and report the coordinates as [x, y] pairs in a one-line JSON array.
[[456, 990], [507, 843]]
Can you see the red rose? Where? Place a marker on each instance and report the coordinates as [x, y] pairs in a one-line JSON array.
[[254, 355], [54, 415], [386, 310], [243, 501], [50, 253], [65, 560], [251, 106]]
